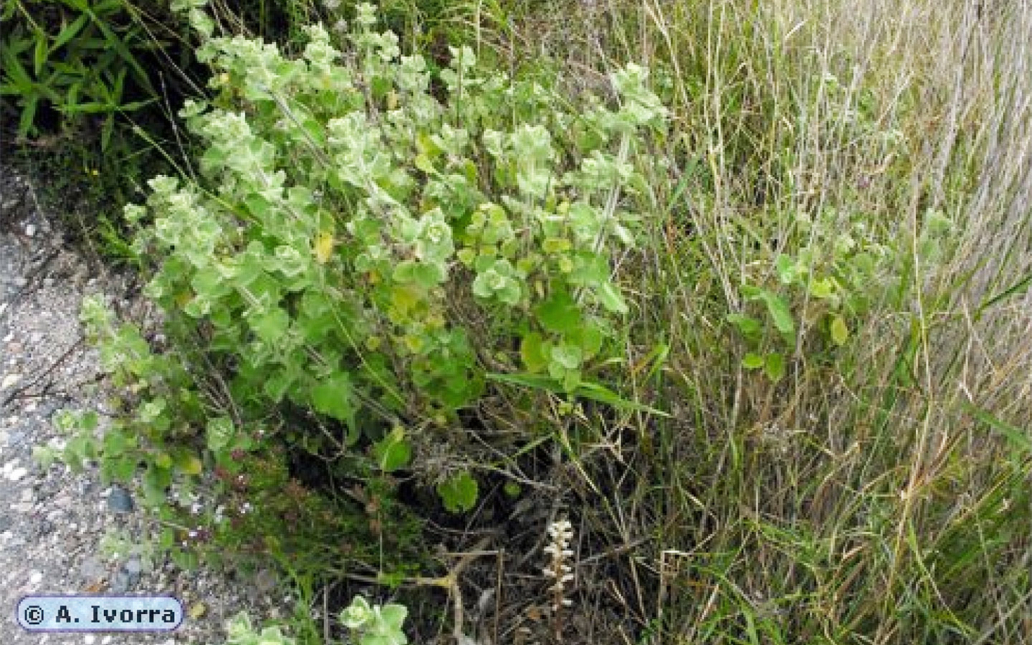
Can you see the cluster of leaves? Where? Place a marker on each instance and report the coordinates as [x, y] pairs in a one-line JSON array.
[[70, 59], [375, 624], [370, 625], [211, 481], [827, 286], [240, 631], [362, 239]]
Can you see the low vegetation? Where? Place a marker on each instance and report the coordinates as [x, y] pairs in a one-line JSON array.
[[697, 322]]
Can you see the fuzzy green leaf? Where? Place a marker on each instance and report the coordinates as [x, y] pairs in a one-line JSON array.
[[219, 433], [752, 361], [839, 331], [568, 356], [393, 451], [610, 297], [333, 397], [558, 314], [459, 493], [270, 325], [774, 367], [394, 615], [780, 313], [532, 351], [749, 327], [155, 482]]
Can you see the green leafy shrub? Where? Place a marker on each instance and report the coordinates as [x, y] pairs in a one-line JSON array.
[[364, 247]]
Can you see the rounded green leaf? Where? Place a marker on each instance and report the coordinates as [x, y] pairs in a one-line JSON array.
[[532, 351], [394, 615], [753, 361], [774, 367], [839, 331], [270, 325], [332, 397], [568, 356], [219, 432], [559, 314], [459, 493], [393, 451], [610, 297]]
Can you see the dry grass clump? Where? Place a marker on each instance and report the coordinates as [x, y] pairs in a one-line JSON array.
[[879, 491]]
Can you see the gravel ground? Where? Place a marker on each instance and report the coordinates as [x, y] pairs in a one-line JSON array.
[[62, 533]]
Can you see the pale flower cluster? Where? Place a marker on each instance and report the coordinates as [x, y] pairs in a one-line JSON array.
[[560, 533]]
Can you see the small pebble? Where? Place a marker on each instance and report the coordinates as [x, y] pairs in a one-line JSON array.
[[30, 230], [119, 501], [91, 569], [133, 566], [121, 582], [9, 381], [36, 577]]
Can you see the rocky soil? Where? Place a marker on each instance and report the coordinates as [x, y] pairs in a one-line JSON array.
[[60, 532]]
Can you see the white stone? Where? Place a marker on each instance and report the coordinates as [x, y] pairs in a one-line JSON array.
[[9, 381], [30, 230], [17, 473], [36, 577]]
